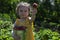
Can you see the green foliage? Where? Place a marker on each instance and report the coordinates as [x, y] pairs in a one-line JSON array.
[[5, 30], [4, 17], [47, 19], [48, 11], [8, 5], [47, 34], [43, 34]]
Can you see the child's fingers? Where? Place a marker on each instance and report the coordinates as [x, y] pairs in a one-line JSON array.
[[35, 5]]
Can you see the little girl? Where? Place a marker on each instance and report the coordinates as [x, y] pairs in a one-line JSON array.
[[23, 26]]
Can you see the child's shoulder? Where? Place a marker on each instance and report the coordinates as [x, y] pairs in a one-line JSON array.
[[17, 21], [29, 18]]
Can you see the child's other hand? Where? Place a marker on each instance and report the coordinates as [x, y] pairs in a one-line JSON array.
[[35, 5], [34, 11]]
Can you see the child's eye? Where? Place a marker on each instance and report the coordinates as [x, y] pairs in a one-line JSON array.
[[21, 10]]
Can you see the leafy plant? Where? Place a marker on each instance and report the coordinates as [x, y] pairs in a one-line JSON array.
[[47, 34], [5, 30]]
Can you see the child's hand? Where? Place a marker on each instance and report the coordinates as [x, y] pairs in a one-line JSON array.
[[34, 11], [35, 5]]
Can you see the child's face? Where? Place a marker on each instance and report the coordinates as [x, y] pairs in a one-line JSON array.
[[23, 11]]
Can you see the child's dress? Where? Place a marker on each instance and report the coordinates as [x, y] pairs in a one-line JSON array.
[[25, 31]]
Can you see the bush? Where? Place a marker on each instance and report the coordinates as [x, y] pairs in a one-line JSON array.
[[5, 30], [43, 34], [47, 34]]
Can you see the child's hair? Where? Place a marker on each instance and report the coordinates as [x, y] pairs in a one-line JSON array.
[[22, 4]]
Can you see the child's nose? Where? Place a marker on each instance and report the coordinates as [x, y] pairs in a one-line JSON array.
[[23, 12]]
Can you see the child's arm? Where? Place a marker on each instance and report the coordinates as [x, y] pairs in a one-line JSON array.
[[34, 11]]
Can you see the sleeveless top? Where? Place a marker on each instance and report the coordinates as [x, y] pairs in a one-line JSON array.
[[29, 28]]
